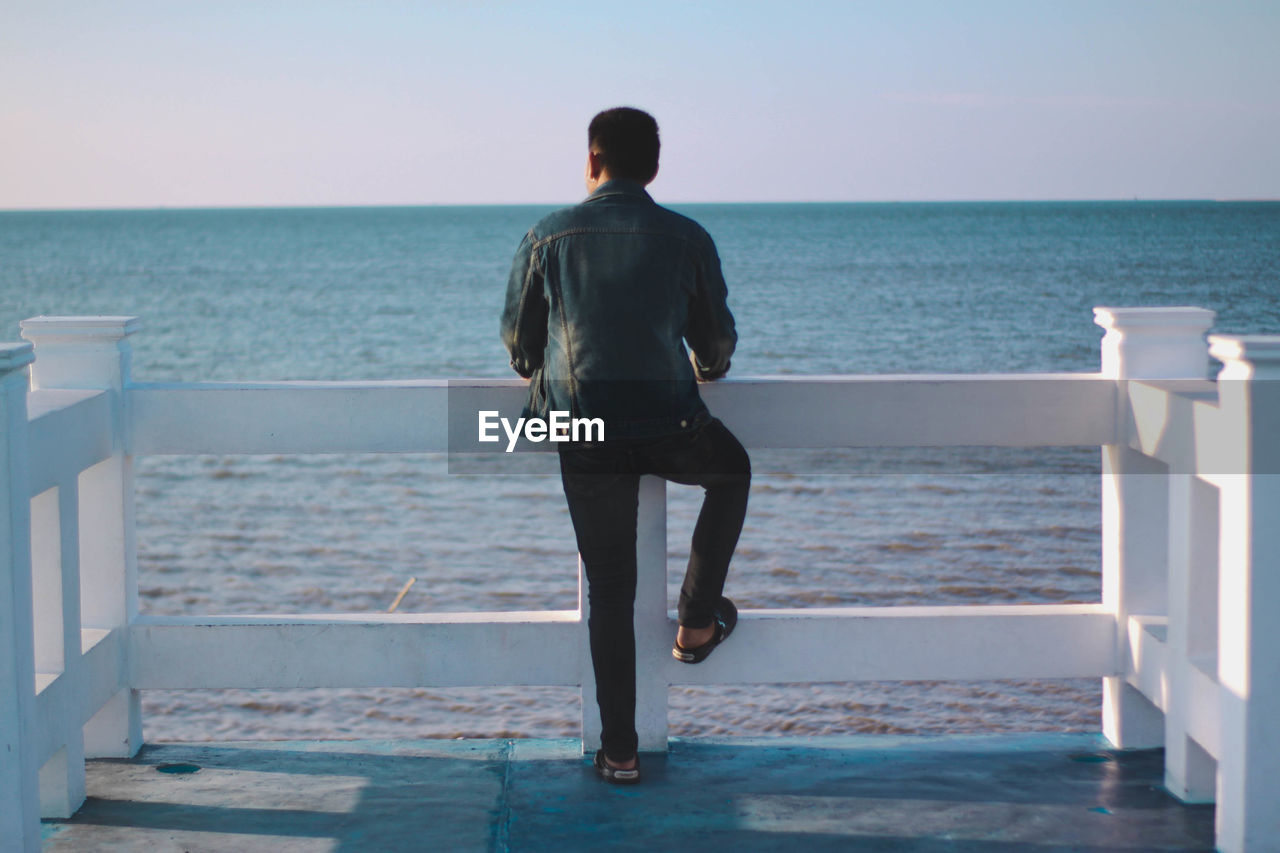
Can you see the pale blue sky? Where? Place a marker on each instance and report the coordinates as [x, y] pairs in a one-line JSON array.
[[282, 103]]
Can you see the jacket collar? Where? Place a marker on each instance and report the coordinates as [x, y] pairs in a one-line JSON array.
[[620, 186]]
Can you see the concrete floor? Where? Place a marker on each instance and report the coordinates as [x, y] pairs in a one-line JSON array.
[[1034, 792]]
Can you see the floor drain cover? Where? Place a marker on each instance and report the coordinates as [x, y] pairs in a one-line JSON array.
[[177, 768]]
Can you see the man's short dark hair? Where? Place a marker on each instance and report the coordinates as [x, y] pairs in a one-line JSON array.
[[626, 140]]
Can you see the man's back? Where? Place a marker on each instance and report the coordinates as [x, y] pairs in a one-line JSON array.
[[601, 298]]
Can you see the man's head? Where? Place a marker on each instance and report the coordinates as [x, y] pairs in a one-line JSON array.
[[622, 143]]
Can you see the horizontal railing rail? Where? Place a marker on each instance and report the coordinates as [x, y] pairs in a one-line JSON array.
[[438, 416], [70, 432], [942, 643]]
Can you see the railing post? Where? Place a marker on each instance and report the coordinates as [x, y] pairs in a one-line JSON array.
[[590, 708], [55, 581], [653, 633], [19, 794], [1190, 772], [1140, 343], [1248, 592], [94, 353]]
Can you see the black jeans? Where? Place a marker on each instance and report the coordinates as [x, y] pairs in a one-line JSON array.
[[601, 484]]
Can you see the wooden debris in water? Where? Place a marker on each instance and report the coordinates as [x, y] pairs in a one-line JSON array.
[[400, 597]]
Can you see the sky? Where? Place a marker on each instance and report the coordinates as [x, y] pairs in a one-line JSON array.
[[282, 102]]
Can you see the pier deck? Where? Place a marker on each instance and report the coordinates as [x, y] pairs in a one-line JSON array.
[[874, 792]]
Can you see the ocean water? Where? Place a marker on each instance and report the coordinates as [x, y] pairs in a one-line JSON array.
[[397, 293]]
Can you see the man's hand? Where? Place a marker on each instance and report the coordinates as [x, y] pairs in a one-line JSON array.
[[701, 373]]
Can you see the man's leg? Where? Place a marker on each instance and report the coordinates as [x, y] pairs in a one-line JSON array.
[[714, 459], [602, 503]]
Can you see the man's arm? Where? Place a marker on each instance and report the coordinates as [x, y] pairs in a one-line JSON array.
[[710, 332], [524, 317]]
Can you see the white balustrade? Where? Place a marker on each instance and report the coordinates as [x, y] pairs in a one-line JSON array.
[[100, 597], [1248, 659], [1140, 343], [19, 794], [1181, 638]]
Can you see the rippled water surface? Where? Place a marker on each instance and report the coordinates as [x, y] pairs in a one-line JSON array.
[[394, 293]]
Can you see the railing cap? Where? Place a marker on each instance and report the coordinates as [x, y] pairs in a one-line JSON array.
[[1247, 355], [87, 329], [1154, 343], [14, 357], [1183, 317]]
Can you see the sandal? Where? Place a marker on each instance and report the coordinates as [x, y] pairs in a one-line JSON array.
[[726, 616], [616, 775]]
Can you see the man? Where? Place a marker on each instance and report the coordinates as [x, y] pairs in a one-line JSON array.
[[601, 299]]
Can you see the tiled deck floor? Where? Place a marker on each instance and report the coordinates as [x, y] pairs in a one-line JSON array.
[[1022, 792]]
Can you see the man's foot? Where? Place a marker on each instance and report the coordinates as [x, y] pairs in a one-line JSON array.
[[620, 772], [691, 638], [726, 617]]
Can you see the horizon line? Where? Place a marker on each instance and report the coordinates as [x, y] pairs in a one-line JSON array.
[[373, 205]]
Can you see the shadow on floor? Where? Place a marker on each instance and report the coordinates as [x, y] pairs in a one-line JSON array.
[[1036, 792]]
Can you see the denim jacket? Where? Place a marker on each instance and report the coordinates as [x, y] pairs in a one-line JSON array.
[[602, 298]]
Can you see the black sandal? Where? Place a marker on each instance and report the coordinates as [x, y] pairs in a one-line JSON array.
[[726, 616], [616, 775]]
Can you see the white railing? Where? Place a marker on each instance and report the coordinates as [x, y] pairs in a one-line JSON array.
[[1191, 555]]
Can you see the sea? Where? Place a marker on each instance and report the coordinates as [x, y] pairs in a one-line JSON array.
[[416, 292]]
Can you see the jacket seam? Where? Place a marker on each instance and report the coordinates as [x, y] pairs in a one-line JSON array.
[[568, 350], [524, 299], [569, 232]]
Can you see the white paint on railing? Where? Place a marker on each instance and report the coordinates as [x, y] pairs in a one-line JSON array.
[[19, 764], [374, 650], [1154, 343], [66, 700], [80, 352], [93, 473], [435, 416], [1190, 771], [542, 647], [1248, 781], [70, 431], [1140, 343], [1184, 639]]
